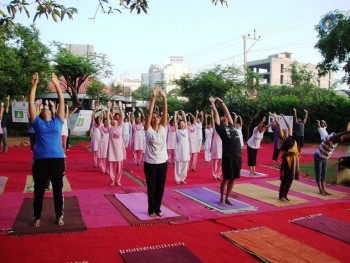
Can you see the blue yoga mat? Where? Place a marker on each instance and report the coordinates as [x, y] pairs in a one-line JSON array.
[[211, 199]]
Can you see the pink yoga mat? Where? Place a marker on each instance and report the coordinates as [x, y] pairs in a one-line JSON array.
[[137, 204]]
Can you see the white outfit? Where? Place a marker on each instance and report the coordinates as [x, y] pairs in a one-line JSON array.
[[239, 130], [323, 132], [182, 155], [255, 140], [207, 144], [155, 150], [126, 133], [64, 128], [199, 131]]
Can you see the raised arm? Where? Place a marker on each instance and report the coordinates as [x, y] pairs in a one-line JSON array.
[[1, 110], [226, 111], [60, 110], [234, 119], [215, 114], [110, 105], [295, 115], [341, 136], [7, 103], [290, 130], [152, 102], [240, 120], [306, 115], [278, 124], [121, 119], [163, 120], [176, 119], [31, 98]]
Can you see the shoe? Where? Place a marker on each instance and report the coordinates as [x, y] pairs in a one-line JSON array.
[[153, 215], [36, 223], [60, 222], [160, 214]]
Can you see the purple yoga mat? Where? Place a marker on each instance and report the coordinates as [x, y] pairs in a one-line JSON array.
[[212, 199], [137, 204], [326, 225]]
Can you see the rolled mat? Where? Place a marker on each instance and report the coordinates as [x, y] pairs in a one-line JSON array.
[[29, 187], [326, 225], [211, 199], [271, 246], [168, 253], [310, 190], [139, 216], [265, 195], [3, 180], [72, 218]]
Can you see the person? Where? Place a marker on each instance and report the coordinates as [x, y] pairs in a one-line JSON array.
[[300, 128], [199, 128], [238, 124], [69, 124], [4, 125], [323, 153], [208, 138], [65, 129], [216, 152], [171, 140], [276, 140], [95, 134], [231, 150], [103, 144], [126, 131], [1, 115], [116, 148], [322, 129], [289, 169], [253, 144], [155, 157], [31, 133], [193, 141], [48, 152], [137, 140], [182, 148]]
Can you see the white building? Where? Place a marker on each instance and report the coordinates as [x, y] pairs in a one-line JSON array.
[[273, 70], [172, 70]]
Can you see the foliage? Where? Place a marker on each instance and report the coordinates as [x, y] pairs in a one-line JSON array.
[[214, 82], [95, 90], [21, 55], [78, 69], [143, 93], [56, 11], [300, 74], [334, 46], [116, 89]]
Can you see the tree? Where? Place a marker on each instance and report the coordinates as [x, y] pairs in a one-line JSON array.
[[300, 74], [76, 70], [143, 93], [214, 82], [58, 12], [95, 90], [21, 55], [334, 46]]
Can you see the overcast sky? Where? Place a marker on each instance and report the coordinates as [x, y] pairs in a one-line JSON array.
[[204, 34]]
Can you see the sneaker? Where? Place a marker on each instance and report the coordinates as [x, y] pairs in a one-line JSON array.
[[152, 215], [60, 221], [36, 223], [160, 214]]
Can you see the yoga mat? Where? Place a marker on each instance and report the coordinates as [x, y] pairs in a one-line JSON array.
[[3, 180], [246, 173], [169, 215], [29, 187], [170, 253], [271, 246], [265, 195], [211, 199], [309, 190], [72, 218], [326, 225]]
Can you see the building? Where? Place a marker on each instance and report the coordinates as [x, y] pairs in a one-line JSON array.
[[172, 70], [80, 50], [273, 70]]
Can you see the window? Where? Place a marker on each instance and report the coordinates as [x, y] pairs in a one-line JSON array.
[[282, 68], [281, 79]]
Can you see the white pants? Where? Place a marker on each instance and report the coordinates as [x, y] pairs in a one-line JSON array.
[[216, 168], [181, 169]]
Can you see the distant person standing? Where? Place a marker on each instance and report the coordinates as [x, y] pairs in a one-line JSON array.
[[300, 129], [48, 152], [4, 125], [322, 129]]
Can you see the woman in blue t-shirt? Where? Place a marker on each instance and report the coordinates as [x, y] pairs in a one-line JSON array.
[[48, 152]]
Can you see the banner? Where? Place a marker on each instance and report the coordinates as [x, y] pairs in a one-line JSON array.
[[282, 122], [20, 111], [83, 121]]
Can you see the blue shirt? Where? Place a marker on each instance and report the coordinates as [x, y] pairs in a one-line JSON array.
[[48, 138]]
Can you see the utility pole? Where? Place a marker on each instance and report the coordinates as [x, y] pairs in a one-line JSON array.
[[245, 51]]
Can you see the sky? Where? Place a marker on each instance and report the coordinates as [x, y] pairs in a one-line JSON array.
[[205, 35]]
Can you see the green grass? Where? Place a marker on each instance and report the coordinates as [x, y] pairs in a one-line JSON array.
[[73, 140]]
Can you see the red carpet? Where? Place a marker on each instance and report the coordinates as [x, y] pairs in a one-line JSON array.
[[109, 232]]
